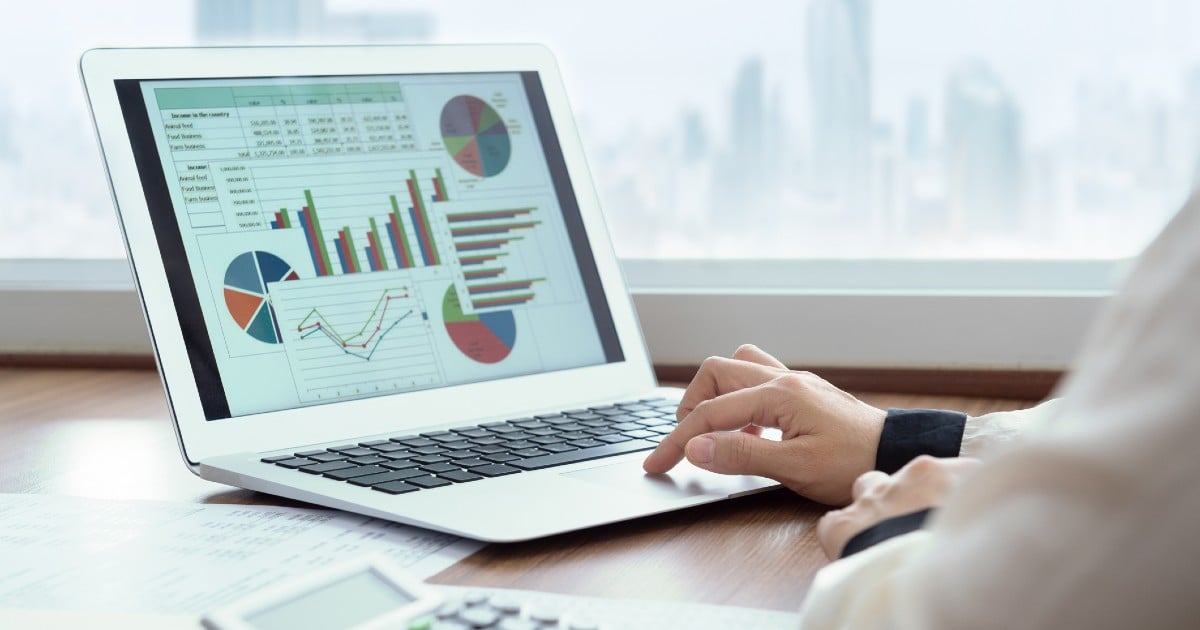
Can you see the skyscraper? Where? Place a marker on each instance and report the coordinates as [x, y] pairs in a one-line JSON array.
[[839, 78], [982, 152], [748, 127], [283, 21]]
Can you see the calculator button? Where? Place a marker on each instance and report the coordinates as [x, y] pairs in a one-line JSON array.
[[516, 623], [504, 604], [480, 616]]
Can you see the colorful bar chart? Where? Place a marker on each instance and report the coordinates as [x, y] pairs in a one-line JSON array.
[[411, 244]]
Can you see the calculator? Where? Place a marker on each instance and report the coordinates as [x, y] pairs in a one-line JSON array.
[[372, 593]]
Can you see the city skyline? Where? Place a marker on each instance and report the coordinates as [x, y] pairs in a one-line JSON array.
[[818, 143]]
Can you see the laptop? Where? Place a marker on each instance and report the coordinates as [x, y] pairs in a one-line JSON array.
[[378, 279]]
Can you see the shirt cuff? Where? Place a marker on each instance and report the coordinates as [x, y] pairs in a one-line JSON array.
[[908, 433], [883, 530]]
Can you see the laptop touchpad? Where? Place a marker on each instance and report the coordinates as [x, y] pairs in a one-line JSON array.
[[629, 476]]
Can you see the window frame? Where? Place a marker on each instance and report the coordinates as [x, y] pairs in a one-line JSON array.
[[944, 314]]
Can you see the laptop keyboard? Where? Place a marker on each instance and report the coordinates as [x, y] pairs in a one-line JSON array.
[[408, 463]]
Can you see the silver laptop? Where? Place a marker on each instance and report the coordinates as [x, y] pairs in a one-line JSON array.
[[378, 279]]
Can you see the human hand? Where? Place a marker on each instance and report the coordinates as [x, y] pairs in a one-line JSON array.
[[922, 483], [829, 437]]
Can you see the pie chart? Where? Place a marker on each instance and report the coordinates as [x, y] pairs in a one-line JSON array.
[[486, 337], [246, 281], [475, 136]]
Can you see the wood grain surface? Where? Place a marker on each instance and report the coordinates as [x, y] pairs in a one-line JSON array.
[[107, 434]]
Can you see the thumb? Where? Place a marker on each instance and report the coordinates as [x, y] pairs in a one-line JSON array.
[[736, 453]]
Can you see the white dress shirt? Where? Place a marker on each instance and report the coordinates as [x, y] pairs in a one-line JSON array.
[[1090, 516]]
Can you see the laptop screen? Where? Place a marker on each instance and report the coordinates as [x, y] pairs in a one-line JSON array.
[[333, 238]]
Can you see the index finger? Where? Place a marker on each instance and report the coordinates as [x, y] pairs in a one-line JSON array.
[[730, 411], [717, 376]]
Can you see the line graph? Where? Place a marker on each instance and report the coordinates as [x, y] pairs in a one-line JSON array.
[[356, 345], [356, 335]]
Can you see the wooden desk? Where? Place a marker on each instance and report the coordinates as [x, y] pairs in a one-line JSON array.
[[60, 428]]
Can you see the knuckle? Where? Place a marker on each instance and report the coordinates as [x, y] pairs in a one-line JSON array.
[[740, 452], [792, 381], [745, 349], [923, 464]]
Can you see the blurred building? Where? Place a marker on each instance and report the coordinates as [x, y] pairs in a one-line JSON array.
[[982, 152], [839, 77], [282, 21]]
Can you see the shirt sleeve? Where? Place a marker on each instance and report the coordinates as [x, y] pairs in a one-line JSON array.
[[908, 433], [984, 434]]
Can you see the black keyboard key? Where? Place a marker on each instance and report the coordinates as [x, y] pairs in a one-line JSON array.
[[326, 456], [449, 437], [320, 469], [598, 422], [473, 432], [583, 454], [586, 415], [470, 462], [543, 432], [276, 458], [490, 440], [647, 414], [573, 435], [515, 445], [570, 426], [529, 424], [599, 408], [663, 428], [614, 438], [634, 406], [374, 443], [460, 454], [459, 476], [639, 433], [440, 468], [500, 458], [358, 471], [559, 448], [310, 453], [500, 427], [398, 455], [428, 450], [518, 435], [352, 450], [389, 447], [294, 462], [547, 440], [559, 421], [494, 470], [654, 422], [430, 459], [457, 445], [586, 443], [570, 412], [610, 412], [386, 477], [626, 426], [492, 449], [546, 416], [601, 431], [433, 435], [395, 487], [369, 459], [415, 442], [428, 481], [400, 464], [529, 452]]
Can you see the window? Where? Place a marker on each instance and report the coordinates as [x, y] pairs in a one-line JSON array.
[[818, 131]]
